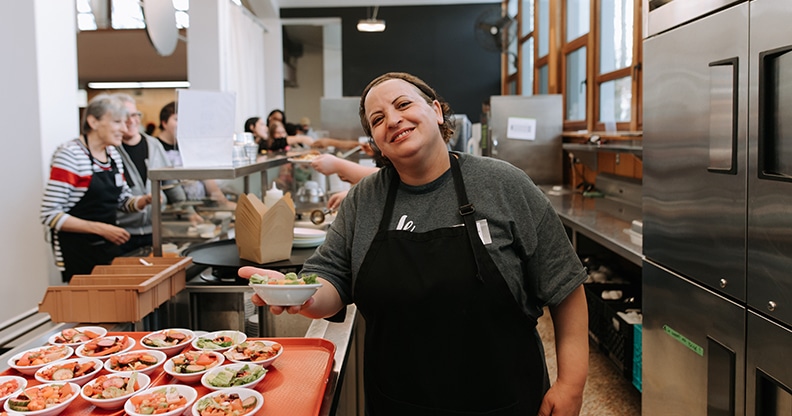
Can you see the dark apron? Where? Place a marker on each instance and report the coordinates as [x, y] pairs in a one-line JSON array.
[[81, 252], [444, 334]]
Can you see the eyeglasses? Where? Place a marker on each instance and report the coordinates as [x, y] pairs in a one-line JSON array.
[[136, 115]]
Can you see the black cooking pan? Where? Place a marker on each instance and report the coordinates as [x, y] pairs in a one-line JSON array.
[[223, 257]]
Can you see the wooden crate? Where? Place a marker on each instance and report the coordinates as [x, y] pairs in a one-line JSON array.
[[125, 291]]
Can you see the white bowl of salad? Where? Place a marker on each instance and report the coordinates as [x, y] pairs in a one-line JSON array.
[[75, 370], [167, 400], [43, 400], [231, 401], [219, 340], [142, 361], [169, 341], [30, 361], [11, 386], [291, 290], [260, 352], [76, 336], [190, 366], [233, 375], [110, 391]]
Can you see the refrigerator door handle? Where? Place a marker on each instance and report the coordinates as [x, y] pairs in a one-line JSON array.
[[724, 115], [721, 373], [774, 148]]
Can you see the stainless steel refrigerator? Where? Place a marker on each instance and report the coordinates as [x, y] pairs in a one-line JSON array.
[[717, 208]]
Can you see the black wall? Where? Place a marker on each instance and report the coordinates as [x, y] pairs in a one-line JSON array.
[[435, 43]]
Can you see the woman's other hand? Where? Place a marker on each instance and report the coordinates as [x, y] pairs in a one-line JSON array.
[[142, 201], [111, 233], [335, 200]]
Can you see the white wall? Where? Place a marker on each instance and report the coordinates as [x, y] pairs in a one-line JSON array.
[[38, 112], [305, 98]]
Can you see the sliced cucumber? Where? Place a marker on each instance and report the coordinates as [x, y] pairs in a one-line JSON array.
[[249, 402]]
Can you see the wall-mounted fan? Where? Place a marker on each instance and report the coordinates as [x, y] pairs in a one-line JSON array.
[[493, 30]]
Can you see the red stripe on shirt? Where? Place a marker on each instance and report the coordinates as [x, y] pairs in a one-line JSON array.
[[66, 176]]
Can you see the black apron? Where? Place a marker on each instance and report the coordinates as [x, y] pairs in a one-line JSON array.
[[81, 252], [444, 334]]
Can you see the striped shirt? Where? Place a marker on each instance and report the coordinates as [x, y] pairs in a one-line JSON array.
[[71, 170]]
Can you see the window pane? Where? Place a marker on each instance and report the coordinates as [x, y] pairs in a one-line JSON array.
[[576, 85], [615, 100], [127, 14], [512, 9], [527, 67], [577, 19], [182, 20], [527, 16], [543, 28], [511, 56], [544, 79], [616, 41]]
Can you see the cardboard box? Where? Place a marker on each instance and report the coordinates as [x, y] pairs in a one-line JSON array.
[[264, 235], [125, 291]]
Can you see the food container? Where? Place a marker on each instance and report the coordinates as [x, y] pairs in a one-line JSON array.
[[125, 291], [75, 370], [87, 392]]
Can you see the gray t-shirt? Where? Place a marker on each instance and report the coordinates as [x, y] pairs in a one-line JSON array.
[[529, 244]]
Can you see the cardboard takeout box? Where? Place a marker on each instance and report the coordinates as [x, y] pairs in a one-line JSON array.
[[124, 291], [264, 235]]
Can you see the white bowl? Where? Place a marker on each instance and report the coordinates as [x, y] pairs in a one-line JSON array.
[[54, 353], [65, 337], [209, 375], [244, 394], [48, 411], [236, 338], [130, 361], [81, 350], [236, 353], [44, 374], [285, 295], [193, 377], [142, 381], [169, 345], [189, 394], [9, 390]]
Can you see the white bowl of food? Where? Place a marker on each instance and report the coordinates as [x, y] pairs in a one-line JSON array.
[[77, 336], [174, 398], [11, 386], [169, 341], [292, 290], [233, 375], [190, 366], [219, 340], [111, 391], [223, 401], [142, 361], [102, 348], [75, 370], [261, 352], [29, 361], [43, 399]]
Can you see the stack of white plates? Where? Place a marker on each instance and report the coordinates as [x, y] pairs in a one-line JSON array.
[[308, 237]]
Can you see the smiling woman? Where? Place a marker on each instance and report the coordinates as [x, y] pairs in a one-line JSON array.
[[86, 187]]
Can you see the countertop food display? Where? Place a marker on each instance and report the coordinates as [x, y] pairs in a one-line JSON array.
[[294, 384]]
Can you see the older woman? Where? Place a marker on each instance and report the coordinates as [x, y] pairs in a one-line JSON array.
[[85, 189]]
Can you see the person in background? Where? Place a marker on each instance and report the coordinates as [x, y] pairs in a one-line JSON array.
[[305, 128], [276, 115], [85, 188], [279, 139], [150, 128], [141, 152], [258, 127], [195, 190], [347, 170], [440, 246]]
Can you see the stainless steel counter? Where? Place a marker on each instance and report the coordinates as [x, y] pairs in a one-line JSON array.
[[581, 215]]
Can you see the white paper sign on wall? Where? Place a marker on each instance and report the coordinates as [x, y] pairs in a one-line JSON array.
[[521, 128]]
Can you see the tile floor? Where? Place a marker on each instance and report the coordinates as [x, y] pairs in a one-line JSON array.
[[607, 391]]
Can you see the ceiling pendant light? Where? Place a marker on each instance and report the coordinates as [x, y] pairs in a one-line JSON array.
[[372, 24]]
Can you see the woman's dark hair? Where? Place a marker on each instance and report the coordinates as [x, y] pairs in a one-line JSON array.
[[250, 123], [283, 116], [167, 111], [429, 94]]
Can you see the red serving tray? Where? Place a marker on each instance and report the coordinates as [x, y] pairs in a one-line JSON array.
[[294, 385]]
